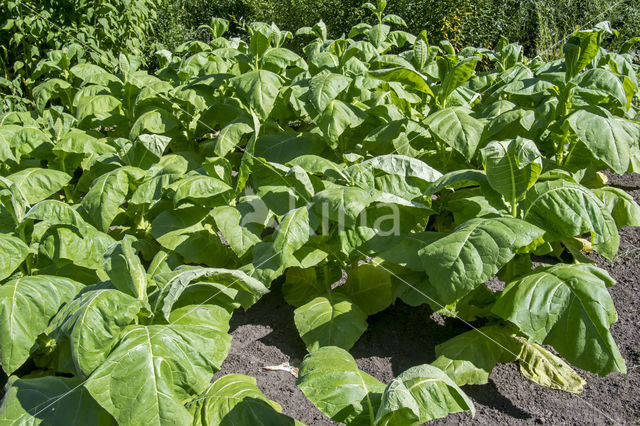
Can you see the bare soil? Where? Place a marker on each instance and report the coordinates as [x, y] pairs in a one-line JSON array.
[[402, 336]]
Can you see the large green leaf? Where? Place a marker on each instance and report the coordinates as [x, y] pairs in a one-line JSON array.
[[456, 128], [13, 251], [292, 233], [106, 195], [259, 89], [201, 190], [512, 167], [491, 344], [229, 221], [473, 253], [125, 269], [421, 394], [50, 400], [330, 320], [342, 204], [569, 308], [235, 399], [86, 329], [336, 118], [37, 184], [27, 304], [608, 138], [175, 283], [330, 378], [566, 209], [369, 287], [407, 76], [325, 87], [458, 75], [154, 369]]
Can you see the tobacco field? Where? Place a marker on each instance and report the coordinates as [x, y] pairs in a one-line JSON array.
[[140, 209]]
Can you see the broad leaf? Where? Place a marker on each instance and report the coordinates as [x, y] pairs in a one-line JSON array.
[[27, 305], [421, 394], [330, 320], [331, 380], [473, 253], [569, 308], [154, 369]]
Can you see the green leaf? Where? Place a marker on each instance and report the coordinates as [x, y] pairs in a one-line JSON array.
[[569, 308], [176, 282], [410, 78], [330, 320], [579, 51], [456, 128], [623, 208], [259, 89], [336, 118], [292, 233], [154, 369], [236, 399], [457, 76], [544, 368], [13, 251], [27, 304], [331, 380], [50, 400], [37, 184], [421, 394], [369, 287], [342, 204], [600, 85], [303, 285], [229, 221], [609, 139], [473, 253], [201, 190], [106, 195], [89, 327], [491, 344], [512, 167], [565, 210], [156, 121], [325, 87], [125, 270]]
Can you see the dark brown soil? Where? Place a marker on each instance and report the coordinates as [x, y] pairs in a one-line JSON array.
[[401, 337]]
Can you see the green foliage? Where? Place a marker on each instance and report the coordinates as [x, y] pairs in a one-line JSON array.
[[139, 210]]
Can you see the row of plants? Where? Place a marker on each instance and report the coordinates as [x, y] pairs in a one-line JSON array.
[[139, 211]]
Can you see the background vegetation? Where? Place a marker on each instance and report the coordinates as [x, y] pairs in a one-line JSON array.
[[539, 25]]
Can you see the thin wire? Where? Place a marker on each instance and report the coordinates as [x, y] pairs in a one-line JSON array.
[[275, 254]]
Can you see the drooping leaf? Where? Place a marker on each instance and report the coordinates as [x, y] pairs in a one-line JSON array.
[[87, 328], [27, 304], [569, 308], [13, 251], [154, 369], [491, 344], [50, 400], [544, 368], [37, 184]]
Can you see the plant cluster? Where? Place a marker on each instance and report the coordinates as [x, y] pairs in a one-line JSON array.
[[30, 30], [138, 211]]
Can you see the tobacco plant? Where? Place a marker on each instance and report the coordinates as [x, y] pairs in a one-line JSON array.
[[139, 211]]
